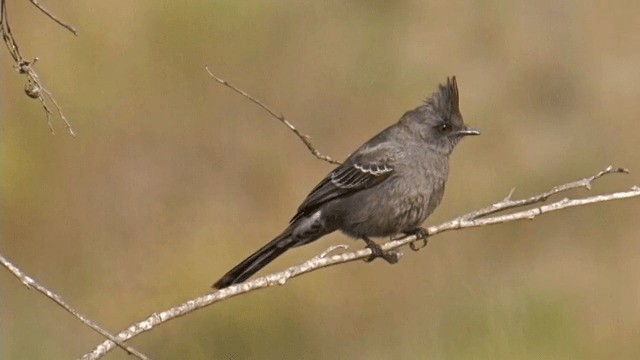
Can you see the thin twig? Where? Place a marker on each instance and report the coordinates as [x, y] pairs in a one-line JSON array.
[[507, 203], [305, 138], [59, 110], [31, 284], [34, 87], [324, 260], [54, 18]]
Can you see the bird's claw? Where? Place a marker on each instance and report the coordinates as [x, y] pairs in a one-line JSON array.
[[421, 239], [390, 256], [415, 246]]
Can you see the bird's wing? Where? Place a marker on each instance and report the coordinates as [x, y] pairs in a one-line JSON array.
[[367, 167]]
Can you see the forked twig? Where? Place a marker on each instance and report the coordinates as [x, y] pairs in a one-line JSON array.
[[507, 203], [34, 87], [472, 219]]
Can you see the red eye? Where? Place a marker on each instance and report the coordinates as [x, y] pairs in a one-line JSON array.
[[444, 127]]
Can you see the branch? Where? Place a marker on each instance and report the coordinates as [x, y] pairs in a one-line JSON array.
[[32, 284], [472, 219], [305, 138], [507, 203], [34, 87], [53, 17]]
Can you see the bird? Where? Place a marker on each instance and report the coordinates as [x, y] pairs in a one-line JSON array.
[[386, 188]]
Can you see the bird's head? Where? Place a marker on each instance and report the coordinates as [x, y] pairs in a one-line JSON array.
[[439, 121]]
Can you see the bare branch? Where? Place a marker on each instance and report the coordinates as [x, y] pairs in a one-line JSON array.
[[53, 17], [34, 87], [472, 219], [31, 284], [305, 138], [507, 203]]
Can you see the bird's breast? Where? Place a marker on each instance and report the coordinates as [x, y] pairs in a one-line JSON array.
[[398, 204], [422, 190]]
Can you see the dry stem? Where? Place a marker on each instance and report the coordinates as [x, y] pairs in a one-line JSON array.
[[31, 284], [34, 87], [305, 138], [473, 219]]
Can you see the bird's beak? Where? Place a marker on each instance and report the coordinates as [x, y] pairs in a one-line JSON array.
[[468, 131]]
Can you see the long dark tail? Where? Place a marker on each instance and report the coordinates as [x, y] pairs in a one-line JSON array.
[[257, 260]]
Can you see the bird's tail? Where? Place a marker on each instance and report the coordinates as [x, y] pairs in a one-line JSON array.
[[257, 260]]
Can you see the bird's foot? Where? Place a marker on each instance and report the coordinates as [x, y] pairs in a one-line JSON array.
[[421, 238], [390, 256]]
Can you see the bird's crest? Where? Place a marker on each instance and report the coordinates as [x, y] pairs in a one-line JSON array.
[[446, 98]]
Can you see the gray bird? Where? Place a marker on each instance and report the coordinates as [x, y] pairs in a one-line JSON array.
[[387, 187]]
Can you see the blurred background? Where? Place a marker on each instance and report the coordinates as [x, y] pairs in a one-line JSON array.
[[174, 178]]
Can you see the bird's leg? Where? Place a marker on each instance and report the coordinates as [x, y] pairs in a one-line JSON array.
[[421, 238], [376, 251]]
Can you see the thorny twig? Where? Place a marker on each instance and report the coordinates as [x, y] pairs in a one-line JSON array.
[[472, 219], [34, 88], [305, 138], [30, 283]]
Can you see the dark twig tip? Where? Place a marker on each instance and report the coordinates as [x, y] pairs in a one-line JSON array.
[[612, 169], [54, 17]]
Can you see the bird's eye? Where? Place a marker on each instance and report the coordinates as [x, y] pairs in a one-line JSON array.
[[444, 128]]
